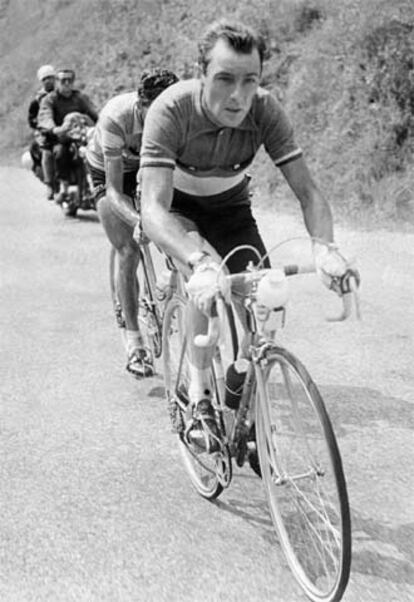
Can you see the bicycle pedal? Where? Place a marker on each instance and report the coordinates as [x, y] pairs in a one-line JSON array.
[[223, 469], [202, 438]]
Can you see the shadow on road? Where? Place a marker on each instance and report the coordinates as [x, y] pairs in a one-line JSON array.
[[252, 510], [383, 551], [363, 407]]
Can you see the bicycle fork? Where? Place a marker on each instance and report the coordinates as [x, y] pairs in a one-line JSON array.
[[265, 418]]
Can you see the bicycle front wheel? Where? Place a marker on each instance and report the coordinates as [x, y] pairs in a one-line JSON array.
[[303, 477]]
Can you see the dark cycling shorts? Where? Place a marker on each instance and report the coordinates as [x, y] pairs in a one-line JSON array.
[[99, 181], [225, 220]]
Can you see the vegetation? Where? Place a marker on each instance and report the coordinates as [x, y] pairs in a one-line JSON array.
[[344, 71]]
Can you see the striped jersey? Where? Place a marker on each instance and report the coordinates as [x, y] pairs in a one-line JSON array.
[[118, 133], [181, 134]]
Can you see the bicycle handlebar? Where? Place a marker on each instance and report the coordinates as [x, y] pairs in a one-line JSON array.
[[348, 299]]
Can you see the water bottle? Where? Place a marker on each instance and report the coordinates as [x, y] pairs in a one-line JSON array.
[[272, 289], [271, 298], [235, 377], [163, 285]]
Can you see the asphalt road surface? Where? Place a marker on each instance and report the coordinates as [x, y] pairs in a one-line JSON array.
[[95, 504]]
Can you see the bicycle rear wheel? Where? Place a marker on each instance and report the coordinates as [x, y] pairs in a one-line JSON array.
[[303, 477], [208, 472]]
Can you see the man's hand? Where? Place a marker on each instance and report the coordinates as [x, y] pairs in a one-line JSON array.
[[204, 283], [333, 269], [61, 131]]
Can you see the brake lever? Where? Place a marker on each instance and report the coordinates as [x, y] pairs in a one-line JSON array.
[[348, 299]]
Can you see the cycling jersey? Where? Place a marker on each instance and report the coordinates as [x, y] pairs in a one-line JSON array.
[[118, 133], [181, 133]]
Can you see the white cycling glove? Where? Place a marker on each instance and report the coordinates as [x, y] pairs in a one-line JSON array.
[[333, 269], [205, 282]]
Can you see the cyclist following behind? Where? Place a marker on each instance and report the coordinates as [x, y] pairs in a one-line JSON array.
[[113, 157], [199, 138], [51, 120], [41, 148]]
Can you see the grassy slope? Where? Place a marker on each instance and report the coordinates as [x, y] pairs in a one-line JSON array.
[[320, 65]]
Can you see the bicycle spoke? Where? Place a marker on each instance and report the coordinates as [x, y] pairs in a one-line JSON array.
[[324, 518], [303, 476], [322, 515]]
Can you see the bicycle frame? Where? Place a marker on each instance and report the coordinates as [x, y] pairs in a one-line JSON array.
[[258, 345]]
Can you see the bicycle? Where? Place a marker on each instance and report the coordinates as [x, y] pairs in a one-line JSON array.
[[298, 456]]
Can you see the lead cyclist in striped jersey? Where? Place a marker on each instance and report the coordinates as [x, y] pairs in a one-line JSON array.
[[200, 136]]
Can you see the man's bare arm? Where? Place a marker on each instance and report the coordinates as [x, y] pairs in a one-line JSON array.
[[158, 223], [120, 202], [316, 210]]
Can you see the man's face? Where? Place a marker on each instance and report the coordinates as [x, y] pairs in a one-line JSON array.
[[48, 83], [64, 84], [230, 83]]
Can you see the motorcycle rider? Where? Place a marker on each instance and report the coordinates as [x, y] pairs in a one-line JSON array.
[[54, 107], [41, 147], [113, 156]]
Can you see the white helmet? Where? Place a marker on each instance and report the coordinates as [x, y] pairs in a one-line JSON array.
[[27, 161], [45, 71]]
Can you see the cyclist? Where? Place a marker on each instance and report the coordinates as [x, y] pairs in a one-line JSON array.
[[53, 109], [113, 157], [199, 138], [40, 149]]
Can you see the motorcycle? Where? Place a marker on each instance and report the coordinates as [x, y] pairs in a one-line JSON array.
[[80, 193]]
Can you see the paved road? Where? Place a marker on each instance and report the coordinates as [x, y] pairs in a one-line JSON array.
[[95, 505]]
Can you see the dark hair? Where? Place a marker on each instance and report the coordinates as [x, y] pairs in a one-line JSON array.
[[67, 72], [240, 37], [153, 82]]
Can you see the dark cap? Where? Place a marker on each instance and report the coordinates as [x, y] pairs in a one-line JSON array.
[[153, 82]]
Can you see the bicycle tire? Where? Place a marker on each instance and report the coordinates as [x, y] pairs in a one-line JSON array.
[[207, 472], [149, 315], [303, 477]]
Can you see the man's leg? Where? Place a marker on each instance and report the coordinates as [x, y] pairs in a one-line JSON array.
[[120, 236], [205, 431], [63, 158], [48, 168], [36, 155], [200, 359]]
